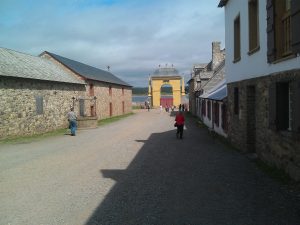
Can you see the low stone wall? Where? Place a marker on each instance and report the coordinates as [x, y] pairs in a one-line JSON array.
[[87, 122], [277, 148]]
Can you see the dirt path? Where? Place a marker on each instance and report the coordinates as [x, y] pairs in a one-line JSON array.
[[135, 171]]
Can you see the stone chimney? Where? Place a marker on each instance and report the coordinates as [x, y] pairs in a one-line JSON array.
[[217, 55]]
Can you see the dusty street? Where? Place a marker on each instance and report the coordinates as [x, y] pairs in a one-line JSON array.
[[135, 171]]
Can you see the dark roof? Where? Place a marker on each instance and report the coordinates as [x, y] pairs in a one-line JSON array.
[[222, 3], [219, 94], [87, 71], [17, 64]]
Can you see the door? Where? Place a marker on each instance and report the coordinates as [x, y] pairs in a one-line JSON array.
[[81, 107], [251, 119]]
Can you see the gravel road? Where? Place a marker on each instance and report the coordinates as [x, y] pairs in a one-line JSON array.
[[135, 172]]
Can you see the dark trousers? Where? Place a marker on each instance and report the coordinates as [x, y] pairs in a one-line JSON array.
[[179, 130]]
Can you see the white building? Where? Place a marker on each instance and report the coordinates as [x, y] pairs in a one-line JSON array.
[[262, 40]]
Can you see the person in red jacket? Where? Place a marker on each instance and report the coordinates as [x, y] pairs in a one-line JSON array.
[[179, 124]]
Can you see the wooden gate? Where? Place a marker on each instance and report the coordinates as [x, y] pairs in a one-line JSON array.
[[166, 101]]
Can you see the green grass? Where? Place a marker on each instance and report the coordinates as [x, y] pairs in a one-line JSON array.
[[113, 119], [136, 107], [32, 138], [37, 137]]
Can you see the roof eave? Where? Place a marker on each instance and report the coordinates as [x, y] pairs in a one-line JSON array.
[[222, 3]]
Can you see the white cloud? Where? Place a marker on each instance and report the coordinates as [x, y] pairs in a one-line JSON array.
[[133, 37]]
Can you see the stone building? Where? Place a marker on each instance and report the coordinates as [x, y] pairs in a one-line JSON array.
[[35, 94], [263, 75], [204, 76], [211, 105], [106, 95]]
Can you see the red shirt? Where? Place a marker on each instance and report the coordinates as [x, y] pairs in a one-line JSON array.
[[179, 119]]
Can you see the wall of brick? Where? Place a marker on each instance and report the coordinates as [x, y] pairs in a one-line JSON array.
[[18, 111], [101, 92], [278, 148]]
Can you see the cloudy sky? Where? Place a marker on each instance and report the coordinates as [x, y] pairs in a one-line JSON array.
[[131, 36]]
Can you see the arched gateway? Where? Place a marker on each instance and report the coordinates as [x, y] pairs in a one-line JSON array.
[[161, 77]]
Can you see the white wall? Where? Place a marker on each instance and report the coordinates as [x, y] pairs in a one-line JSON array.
[[208, 122], [255, 65], [219, 129]]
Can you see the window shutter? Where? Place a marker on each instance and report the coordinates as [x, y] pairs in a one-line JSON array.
[[296, 108], [271, 31], [295, 13], [39, 105], [272, 106]]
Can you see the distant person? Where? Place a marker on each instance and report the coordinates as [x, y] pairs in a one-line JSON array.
[[179, 124], [72, 121], [179, 107], [182, 107], [167, 108]]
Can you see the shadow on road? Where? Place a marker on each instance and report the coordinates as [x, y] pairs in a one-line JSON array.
[[192, 181]]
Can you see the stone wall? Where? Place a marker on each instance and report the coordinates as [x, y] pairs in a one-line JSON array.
[[19, 100], [218, 55], [101, 92], [278, 148]]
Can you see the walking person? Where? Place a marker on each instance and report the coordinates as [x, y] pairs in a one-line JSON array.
[[179, 108], [179, 124], [72, 121]]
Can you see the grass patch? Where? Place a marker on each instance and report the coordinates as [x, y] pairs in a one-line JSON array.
[[58, 132], [113, 119], [277, 174], [136, 107], [32, 138]]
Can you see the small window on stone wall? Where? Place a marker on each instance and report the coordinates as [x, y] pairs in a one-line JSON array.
[[283, 106], [91, 90], [280, 106], [110, 91], [39, 105]]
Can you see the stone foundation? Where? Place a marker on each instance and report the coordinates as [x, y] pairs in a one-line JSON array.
[[275, 147]]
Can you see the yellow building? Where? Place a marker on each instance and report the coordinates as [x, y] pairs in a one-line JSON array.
[[162, 77]]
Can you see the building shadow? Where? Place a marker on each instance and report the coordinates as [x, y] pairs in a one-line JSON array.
[[190, 181]]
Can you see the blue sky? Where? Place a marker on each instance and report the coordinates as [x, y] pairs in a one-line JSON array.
[[131, 36]]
